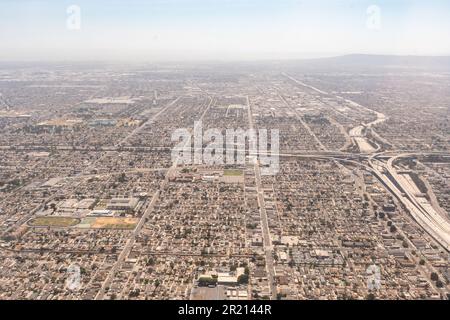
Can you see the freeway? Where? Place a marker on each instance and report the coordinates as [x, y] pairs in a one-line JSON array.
[[359, 138], [357, 132], [437, 226]]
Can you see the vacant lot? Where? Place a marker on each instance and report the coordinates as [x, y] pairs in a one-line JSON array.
[[108, 223]]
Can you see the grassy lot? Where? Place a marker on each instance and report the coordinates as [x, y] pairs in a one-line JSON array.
[[51, 221], [231, 172]]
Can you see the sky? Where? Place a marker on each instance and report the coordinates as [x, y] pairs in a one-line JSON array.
[[158, 30]]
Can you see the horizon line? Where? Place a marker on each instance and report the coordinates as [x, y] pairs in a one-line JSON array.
[[219, 60]]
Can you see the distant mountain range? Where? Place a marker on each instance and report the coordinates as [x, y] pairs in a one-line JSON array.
[[357, 61], [382, 61]]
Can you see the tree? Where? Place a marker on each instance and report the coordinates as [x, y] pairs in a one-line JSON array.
[[434, 276], [134, 293], [370, 296], [243, 279], [206, 281], [150, 261], [122, 177], [280, 296]]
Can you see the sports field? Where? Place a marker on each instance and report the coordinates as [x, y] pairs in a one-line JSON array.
[[231, 172], [51, 221]]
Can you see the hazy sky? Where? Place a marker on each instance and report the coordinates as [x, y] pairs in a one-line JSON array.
[[220, 29]]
